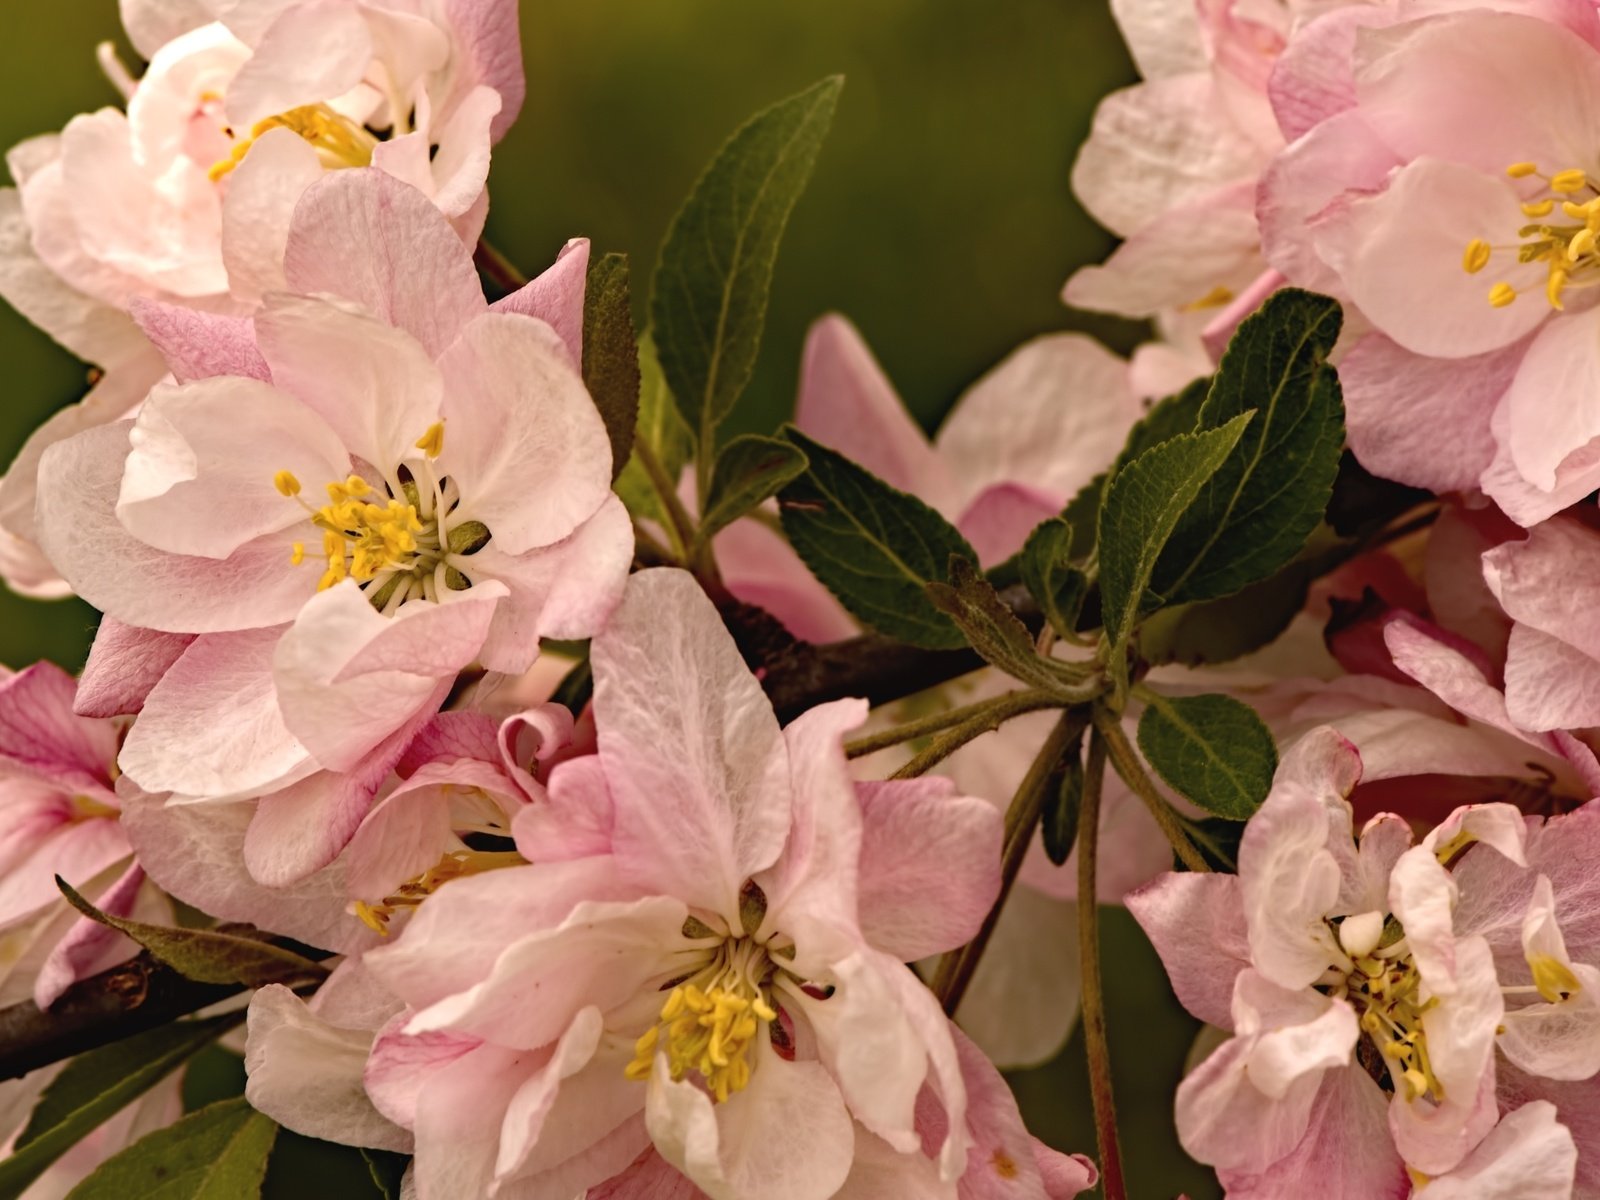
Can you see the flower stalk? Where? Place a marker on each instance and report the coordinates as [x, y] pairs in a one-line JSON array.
[[1127, 765], [1093, 994]]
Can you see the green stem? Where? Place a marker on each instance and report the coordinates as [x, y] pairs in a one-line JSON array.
[[497, 267], [1126, 762], [1093, 1001], [679, 525], [956, 969], [998, 709]]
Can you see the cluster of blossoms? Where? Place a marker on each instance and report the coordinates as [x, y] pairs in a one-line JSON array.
[[423, 649]]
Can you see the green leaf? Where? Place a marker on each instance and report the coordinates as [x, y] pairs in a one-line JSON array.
[[209, 955], [996, 633], [1143, 506], [750, 470], [1051, 579], [873, 547], [387, 1168], [611, 354], [218, 1153], [1263, 503], [95, 1086], [1177, 414], [659, 429], [1211, 749], [710, 295], [1058, 823]]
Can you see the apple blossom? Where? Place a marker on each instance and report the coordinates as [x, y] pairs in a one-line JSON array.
[[468, 513], [718, 937], [1390, 110], [1341, 964]]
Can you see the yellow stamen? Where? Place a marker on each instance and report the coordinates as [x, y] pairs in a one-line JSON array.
[[1476, 257], [338, 141], [1553, 978], [298, 554], [1521, 170], [286, 483], [1541, 208], [455, 865], [707, 1032], [1502, 294], [1215, 298], [1573, 180], [432, 442]]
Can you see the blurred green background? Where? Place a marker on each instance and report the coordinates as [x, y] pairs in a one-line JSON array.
[[939, 220]]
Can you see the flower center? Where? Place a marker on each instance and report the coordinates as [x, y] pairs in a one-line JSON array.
[[397, 546], [1567, 247], [711, 1019], [457, 864], [338, 141]]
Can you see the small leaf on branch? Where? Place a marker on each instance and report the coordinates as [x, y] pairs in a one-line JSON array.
[[217, 1153], [1211, 749], [611, 354], [1177, 414], [1142, 507], [873, 547], [1059, 822], [660, 430], [1051, 579], [97, 1085], [208, 955], [1261, 505], [709, 300], [750, 470], [996, 633]]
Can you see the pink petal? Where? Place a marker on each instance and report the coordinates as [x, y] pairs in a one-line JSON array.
[[199, 478], [347, 677], [574, 821], [89, 946], [525, 438], [556, 297], [567, 590], [1313, 78], [1346, 1153], [848, 403], [194, 852], [1052, 415], [455, 939], [487, 29], [372, 383], [258, 209], [39, 729], [1196, 923], [125, 662], [761, 568], [1549, 684], [306, 1074], [411, 269], [1527, 1154], [212, 726], [316, 53], [999, 521], [693, 755], [79, 481], [930, 866], [1424, 421], [198, 345]]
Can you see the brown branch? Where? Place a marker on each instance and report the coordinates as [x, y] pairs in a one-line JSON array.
[[128, 999], [799, 675]]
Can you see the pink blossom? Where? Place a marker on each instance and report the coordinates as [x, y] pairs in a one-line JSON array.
[[59, 816], [1418, 953], [1442, 115], [1171, 164], [187, 198], [468, 513], [740, 866]]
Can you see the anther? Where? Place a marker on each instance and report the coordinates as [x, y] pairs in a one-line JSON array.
[[1521, 170], [1502, 294], [1569, 181], [1476, 257], [286, 483], [432, 442]]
